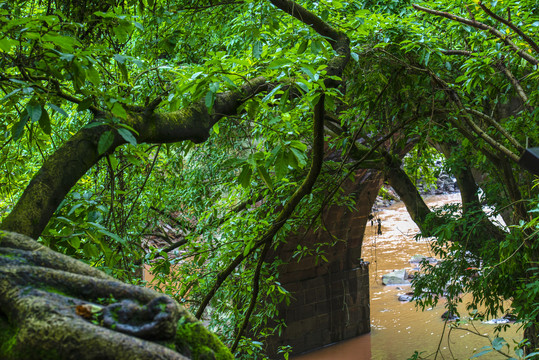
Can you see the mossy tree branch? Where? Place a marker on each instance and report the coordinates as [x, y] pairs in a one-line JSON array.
[[74, 158], [53, 306]]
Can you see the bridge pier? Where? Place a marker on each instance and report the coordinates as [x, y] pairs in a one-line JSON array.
[[330, 299]]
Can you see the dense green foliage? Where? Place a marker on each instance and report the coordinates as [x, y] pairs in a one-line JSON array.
[[416, 81]]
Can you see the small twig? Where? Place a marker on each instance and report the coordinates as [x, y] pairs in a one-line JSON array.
[[256, 289], [144, 184]]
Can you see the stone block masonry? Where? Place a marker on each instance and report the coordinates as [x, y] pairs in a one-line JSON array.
[[330, 299]]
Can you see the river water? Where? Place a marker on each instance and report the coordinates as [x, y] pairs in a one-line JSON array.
[[397, 328]]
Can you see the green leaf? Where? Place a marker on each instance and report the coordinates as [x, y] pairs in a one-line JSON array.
[[481, 353], [270, 94], [119, 111], [34, 111], [281, 165], [45, 122], [309, 71], [66, 57], [215, 128], [209, 99], [120, 58], [65, 43], [125, 126], [257, 49], [302, 84], [298, 145], [85, 104], [94, 124], [114, 236], [7, 44], [58, 109], [74, 242], [94, 76], [300, 156], [426, 59], [316, 46], [19, 127], [302, 47], [252, 109], [498, 343], [105, 141], [265, 176], [91, 250], [10, 95], [128, 136], [245, 177], [278, 63]]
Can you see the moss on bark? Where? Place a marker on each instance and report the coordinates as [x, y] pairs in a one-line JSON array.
[[44, 302]]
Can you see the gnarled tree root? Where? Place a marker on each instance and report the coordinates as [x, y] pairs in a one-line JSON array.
[[55, 307]]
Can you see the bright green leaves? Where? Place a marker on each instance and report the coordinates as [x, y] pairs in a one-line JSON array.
[[122, 25], [257, 49], [210, 95], [61, 43], [275, 165], [279, 63], [6, 44], [118, 111]]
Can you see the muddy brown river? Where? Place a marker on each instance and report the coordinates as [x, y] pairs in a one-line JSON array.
[[397, 328]]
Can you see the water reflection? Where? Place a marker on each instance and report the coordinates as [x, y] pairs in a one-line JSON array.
[[397, 328]]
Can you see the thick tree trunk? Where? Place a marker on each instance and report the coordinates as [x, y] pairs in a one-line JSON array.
[[419, 211], [54, 307], [407, 191]]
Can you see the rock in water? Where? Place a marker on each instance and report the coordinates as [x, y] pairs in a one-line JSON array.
[[395, 277], [449, 316], [416, 259]]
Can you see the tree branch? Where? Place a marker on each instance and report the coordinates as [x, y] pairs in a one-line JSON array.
[[479, 25], [513, 27], [498, 127], [516, 84], [74, 158], [289, 207], [256, 289]]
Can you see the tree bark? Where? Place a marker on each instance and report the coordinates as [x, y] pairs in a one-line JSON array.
[[61, 171], [54, 307]]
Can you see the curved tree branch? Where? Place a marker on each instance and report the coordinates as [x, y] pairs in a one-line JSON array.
[[513, 27], [73, 159], [479, 25], [289, 207]]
